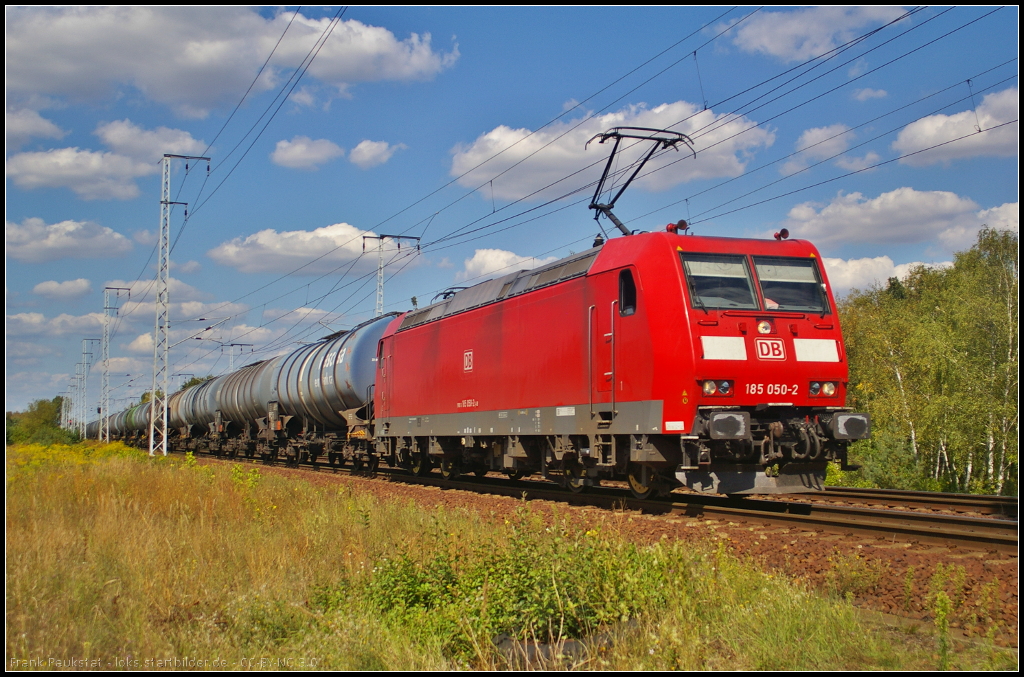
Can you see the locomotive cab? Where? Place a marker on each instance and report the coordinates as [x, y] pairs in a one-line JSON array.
[[769, 371]]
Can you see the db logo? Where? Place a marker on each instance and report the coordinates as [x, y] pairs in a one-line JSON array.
[[770, 349], [467, 361]]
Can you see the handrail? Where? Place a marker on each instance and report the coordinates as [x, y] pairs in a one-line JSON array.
[[614, 303], [590, 357]]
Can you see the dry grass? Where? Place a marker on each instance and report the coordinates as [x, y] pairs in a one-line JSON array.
[[113, 557]]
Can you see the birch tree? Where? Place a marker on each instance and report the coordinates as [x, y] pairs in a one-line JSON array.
[[934, 360]]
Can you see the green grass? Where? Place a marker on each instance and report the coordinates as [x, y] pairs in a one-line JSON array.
[[112, 556]]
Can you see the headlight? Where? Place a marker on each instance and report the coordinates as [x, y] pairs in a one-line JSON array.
[[764, 327], [822, 389], [720, 388]]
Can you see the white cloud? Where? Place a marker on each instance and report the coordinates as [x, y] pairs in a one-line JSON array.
[[487, 261], [23, 324], [567, 154], [186, 303], [963, 235], [144, 145], [179, 291], [187, 267], [141, 345], [1003, 217], [76, 324], [855, 164], [63, 291], [91, 174], [372, 153], [27, 353], [805, 33], [303, 96], [303, 152], [817, 143], [273, 251], [25, 124], [146, 237], [137, 309], [360, 53], [96, 175], [29, 324], [994, 109], [195, 58], [255, 335], [859, 67], [901, 216], [35, 241], [868, 93], [866, 273]]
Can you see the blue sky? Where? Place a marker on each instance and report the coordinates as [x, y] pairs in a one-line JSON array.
[[855, 128]]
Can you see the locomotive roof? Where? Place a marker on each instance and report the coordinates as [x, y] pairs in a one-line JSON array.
[[513, 284], [577, 265]]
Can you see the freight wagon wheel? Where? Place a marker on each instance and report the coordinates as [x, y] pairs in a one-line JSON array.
[[642, 481], [450, 468], [575, 476]]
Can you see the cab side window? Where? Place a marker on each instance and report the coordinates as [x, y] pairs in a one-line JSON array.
[[627, 293]]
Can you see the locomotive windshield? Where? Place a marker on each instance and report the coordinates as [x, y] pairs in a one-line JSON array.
[[719, 281], [790, 284]]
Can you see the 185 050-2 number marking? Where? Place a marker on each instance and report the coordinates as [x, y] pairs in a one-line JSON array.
[[772, 389]]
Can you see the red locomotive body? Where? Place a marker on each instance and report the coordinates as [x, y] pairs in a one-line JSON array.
[[716, 363]]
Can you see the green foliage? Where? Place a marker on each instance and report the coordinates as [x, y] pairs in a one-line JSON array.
[[194, 381], [934, 360], [39, 424], [943, 610], [148, 394], [544, 583]]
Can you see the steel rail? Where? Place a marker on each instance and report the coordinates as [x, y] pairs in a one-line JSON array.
[[1005, 506]]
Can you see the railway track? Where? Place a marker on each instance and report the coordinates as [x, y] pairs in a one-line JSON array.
[[999, 506], [897, 526]]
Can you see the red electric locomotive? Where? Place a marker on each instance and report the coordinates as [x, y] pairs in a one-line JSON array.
[[667, 359]]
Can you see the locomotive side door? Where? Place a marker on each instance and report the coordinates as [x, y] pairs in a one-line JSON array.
[[613, 301]]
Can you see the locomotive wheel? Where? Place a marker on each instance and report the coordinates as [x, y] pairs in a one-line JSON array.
[[642, 481], [480, 472], [450, 468], [420, 464], [516, 474]]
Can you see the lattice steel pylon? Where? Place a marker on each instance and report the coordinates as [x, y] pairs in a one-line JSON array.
[[162, 330], [379, 310], [83, 407], [77, 416], [105, 390], [73, 401]]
